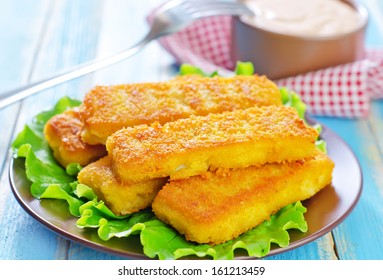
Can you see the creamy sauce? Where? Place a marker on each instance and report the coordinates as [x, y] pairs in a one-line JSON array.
[[304, 17]]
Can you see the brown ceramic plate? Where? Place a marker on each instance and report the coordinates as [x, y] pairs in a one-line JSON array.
[[325, 210]]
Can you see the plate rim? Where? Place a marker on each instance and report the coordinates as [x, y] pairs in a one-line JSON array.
[[326, 132]]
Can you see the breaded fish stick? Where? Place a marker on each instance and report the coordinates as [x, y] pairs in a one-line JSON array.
[[107, 109], [188, 147], [63, 134], [121, 197], [218, 207]]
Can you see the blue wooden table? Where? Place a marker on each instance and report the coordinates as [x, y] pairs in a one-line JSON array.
[[41, 37]]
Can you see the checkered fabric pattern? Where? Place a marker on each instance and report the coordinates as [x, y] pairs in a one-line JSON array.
[[341, 91]]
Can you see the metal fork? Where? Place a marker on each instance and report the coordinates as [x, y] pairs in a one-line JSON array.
[[172, 17]]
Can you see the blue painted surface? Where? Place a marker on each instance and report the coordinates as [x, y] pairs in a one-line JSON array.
[[47, 36], [356, 229]]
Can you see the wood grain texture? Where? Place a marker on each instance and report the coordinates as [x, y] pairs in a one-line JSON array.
[[359, 236], [47, 36], [16, 58], [18, 45], [355, 238], [124, 24], [66, 35]]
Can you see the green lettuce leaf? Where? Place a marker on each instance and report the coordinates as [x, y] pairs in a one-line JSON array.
[[257, 242], [160, 240], [50, 181], [244, 68], [48, 178], [241, 68], [292, 99], [33, 133], [188, 69], [57, 192]]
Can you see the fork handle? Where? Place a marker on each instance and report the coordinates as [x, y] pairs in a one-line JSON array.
[[10, 97]]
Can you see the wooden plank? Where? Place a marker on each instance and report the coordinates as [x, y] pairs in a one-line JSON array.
[[70, 38], [376, 124], [364, 138], [17, 48], [80, 252], [356, 237], [375, 39], [20, 31], [373, 29], [375, 25], [151, 64], [321, 249], [119, 32]]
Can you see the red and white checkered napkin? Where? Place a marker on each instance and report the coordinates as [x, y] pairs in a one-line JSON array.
[[342, 91]]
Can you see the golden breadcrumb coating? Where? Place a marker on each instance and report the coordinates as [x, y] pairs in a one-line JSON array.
[[63, 134], [218, 207], [121, 197], [107, 109], [190, 146]]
